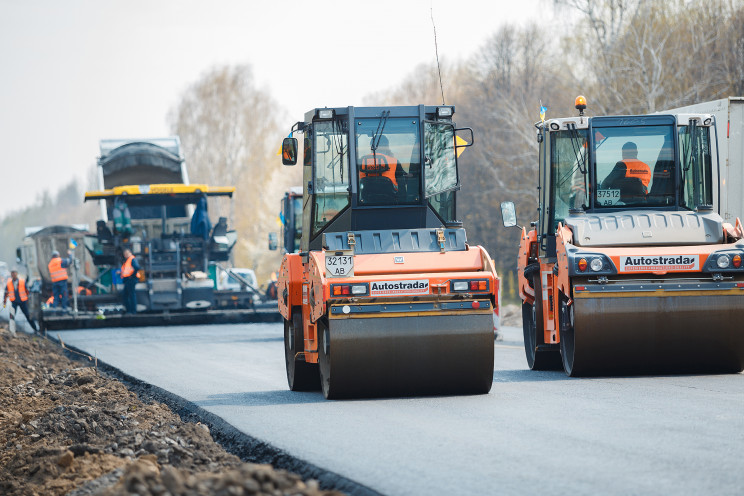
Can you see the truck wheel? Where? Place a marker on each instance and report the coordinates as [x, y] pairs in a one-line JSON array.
[[301, 376], [324, 359], [539, 355]]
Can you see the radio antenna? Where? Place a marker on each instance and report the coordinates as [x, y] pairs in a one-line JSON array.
[[436, 52]]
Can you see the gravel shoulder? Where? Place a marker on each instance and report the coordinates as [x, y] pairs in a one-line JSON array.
[[68, 428]]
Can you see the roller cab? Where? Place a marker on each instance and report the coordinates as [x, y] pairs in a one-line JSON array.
[[630, 268], [385, 297]]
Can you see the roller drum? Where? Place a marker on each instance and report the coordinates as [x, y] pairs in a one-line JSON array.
[[405, 356], [643, 334]]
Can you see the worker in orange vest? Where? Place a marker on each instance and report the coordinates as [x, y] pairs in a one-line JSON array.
[[58, 274], [16, 292], [129, 278], [629, 167], [382, 163]]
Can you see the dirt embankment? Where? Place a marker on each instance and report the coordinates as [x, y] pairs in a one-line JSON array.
[[511, 315], [65, 428]]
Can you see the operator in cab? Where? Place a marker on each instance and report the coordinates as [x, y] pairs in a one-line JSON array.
[[383, 164], [630, 175]]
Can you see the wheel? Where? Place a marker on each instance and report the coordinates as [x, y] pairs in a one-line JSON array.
[[538, 358], [568, 336], [301, 376], [529, 330], [324, 359]]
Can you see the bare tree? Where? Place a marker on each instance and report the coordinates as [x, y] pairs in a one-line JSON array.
[[230, 133]]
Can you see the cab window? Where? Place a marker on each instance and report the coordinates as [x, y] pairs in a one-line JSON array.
[[568, 166], [440, 164], [331, 173], [697, 173]]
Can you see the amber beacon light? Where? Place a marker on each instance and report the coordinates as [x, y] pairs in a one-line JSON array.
[[580, 104]]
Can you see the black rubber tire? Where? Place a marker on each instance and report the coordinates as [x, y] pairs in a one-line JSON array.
[[324, 360], [565, 317], [532, 329], [301, 376]]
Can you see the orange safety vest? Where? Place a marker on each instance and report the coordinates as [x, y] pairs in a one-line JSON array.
[[82, 290], [636, 168], [370, 167], [21, 290], [127, 269], [56, 271]]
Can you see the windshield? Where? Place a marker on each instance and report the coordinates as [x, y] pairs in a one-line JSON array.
[[634, 166], [388, 160], [331, 179]]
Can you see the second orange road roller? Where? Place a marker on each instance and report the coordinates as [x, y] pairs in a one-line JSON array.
[[385, 297], [630, 268]]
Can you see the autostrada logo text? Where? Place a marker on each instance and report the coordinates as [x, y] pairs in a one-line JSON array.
[[382, 288], [671, 262]]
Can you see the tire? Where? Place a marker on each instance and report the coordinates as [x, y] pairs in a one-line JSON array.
[[324, 360], [538, 358], [301, 376], [566, 321]]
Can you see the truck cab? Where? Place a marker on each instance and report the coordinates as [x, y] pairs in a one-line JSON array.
[[373, 168]]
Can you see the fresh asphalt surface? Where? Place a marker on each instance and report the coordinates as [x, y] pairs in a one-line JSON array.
[[535, 433]]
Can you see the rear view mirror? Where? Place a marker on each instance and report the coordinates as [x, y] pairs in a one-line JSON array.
[[289, 151], [508, 214], [273, 243], [19, 255]]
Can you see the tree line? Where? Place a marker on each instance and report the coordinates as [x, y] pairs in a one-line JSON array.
[[625, 56]]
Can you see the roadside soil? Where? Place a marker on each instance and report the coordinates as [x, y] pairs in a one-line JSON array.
[[511, 315], [65, 428]]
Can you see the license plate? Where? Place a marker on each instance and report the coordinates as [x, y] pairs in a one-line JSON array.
[[339, 264], [608, 197]]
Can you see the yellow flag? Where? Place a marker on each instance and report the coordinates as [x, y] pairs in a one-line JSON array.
[[460, 145]]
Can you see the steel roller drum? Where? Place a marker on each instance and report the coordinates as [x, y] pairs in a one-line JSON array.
[[669, 333], [407, 355]]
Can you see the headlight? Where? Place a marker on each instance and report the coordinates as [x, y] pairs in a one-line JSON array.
[[590, 264], [723, 261], [596, 264]]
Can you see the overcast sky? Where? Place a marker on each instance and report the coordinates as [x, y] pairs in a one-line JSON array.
[[76, 71]]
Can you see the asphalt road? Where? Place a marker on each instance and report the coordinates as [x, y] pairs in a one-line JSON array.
[[535, 433]]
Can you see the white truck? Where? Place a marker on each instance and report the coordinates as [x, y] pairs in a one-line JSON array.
[[729, 114]]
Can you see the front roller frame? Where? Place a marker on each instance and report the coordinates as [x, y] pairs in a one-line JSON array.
[[406, 354]]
